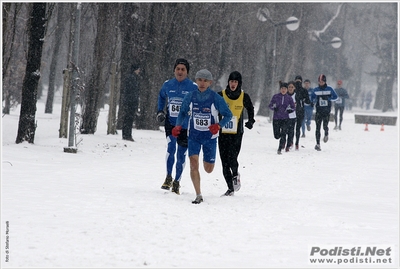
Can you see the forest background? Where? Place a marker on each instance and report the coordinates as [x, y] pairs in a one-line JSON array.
[[220, 36]]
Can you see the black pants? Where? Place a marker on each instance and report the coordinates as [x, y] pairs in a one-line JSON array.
[[229, 146], [299, 122], [324, 120], [280, 129], [127, 124], [290, 132], [339, 110]]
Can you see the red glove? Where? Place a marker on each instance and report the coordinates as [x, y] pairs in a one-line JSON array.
[[214, 128], [176, 131]]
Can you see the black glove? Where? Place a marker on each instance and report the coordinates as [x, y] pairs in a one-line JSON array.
[[249, 124], [289, 110], [274, 107], [160, 116]]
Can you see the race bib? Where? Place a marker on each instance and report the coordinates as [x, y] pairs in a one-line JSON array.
[[323, 102], [231, 126], [201, 121], [174, 107]]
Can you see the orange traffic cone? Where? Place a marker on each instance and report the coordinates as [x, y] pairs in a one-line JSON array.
[[366, 127], [382, 128]]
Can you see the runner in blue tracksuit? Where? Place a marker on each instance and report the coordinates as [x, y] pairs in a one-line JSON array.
[[171, 96], [322, 96], [202, 107], [308, 108]]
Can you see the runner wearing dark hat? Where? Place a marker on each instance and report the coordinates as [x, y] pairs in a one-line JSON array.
[[322, 97], [170, 98], [282, 104], [302, 98], [231, 135]]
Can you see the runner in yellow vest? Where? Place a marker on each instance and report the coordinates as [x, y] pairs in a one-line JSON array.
[[231, 134]]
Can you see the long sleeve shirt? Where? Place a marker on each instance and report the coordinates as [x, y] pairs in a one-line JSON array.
[[171, 95], [322, 97], [280, 104], [202, 110]]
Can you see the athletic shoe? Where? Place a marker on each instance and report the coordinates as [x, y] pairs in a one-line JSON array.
[[236, 182], [228, 193], [175, 187], [303, 135], [326, 139], [318, 147], [340, 128], [198, 199], [279, 152], [297, 147], [335, 128], [308, 128], [287, 149], [129, 139], [167, 183]]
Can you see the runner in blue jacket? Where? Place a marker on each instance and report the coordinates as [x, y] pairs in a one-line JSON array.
[[170, 97], [202, 107], [322, 96]]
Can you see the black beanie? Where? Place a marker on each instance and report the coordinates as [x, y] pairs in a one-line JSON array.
[[182, 61], [283, 84], [235, 75], [298, 77]]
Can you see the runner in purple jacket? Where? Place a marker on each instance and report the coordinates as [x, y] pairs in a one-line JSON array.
[[282, 104]]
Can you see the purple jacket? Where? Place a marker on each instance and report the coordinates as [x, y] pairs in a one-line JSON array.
[[280, 104]]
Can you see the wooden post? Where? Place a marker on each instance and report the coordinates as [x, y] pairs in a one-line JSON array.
[[63, 132], [112, 112]]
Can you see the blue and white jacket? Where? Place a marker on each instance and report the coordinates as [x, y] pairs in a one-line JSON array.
[[171, 95], [322, 97], [202, 109]]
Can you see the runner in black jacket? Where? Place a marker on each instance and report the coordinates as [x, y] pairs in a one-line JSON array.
[[302, 98], [230, 137]]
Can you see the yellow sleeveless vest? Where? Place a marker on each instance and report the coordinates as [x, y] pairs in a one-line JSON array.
[[236, 107]]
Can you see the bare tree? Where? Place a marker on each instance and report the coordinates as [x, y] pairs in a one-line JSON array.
[[221, 37], [14, 47], [95, 89], [126, 27], [27, 126], [386, 50], [59, 29]]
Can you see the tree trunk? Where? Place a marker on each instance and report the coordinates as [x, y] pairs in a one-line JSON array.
[[95, 88], [27, 126], [126, 57], [54, 58], [9, 33]]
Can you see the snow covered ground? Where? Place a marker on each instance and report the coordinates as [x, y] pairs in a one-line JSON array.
[[103, 206]]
